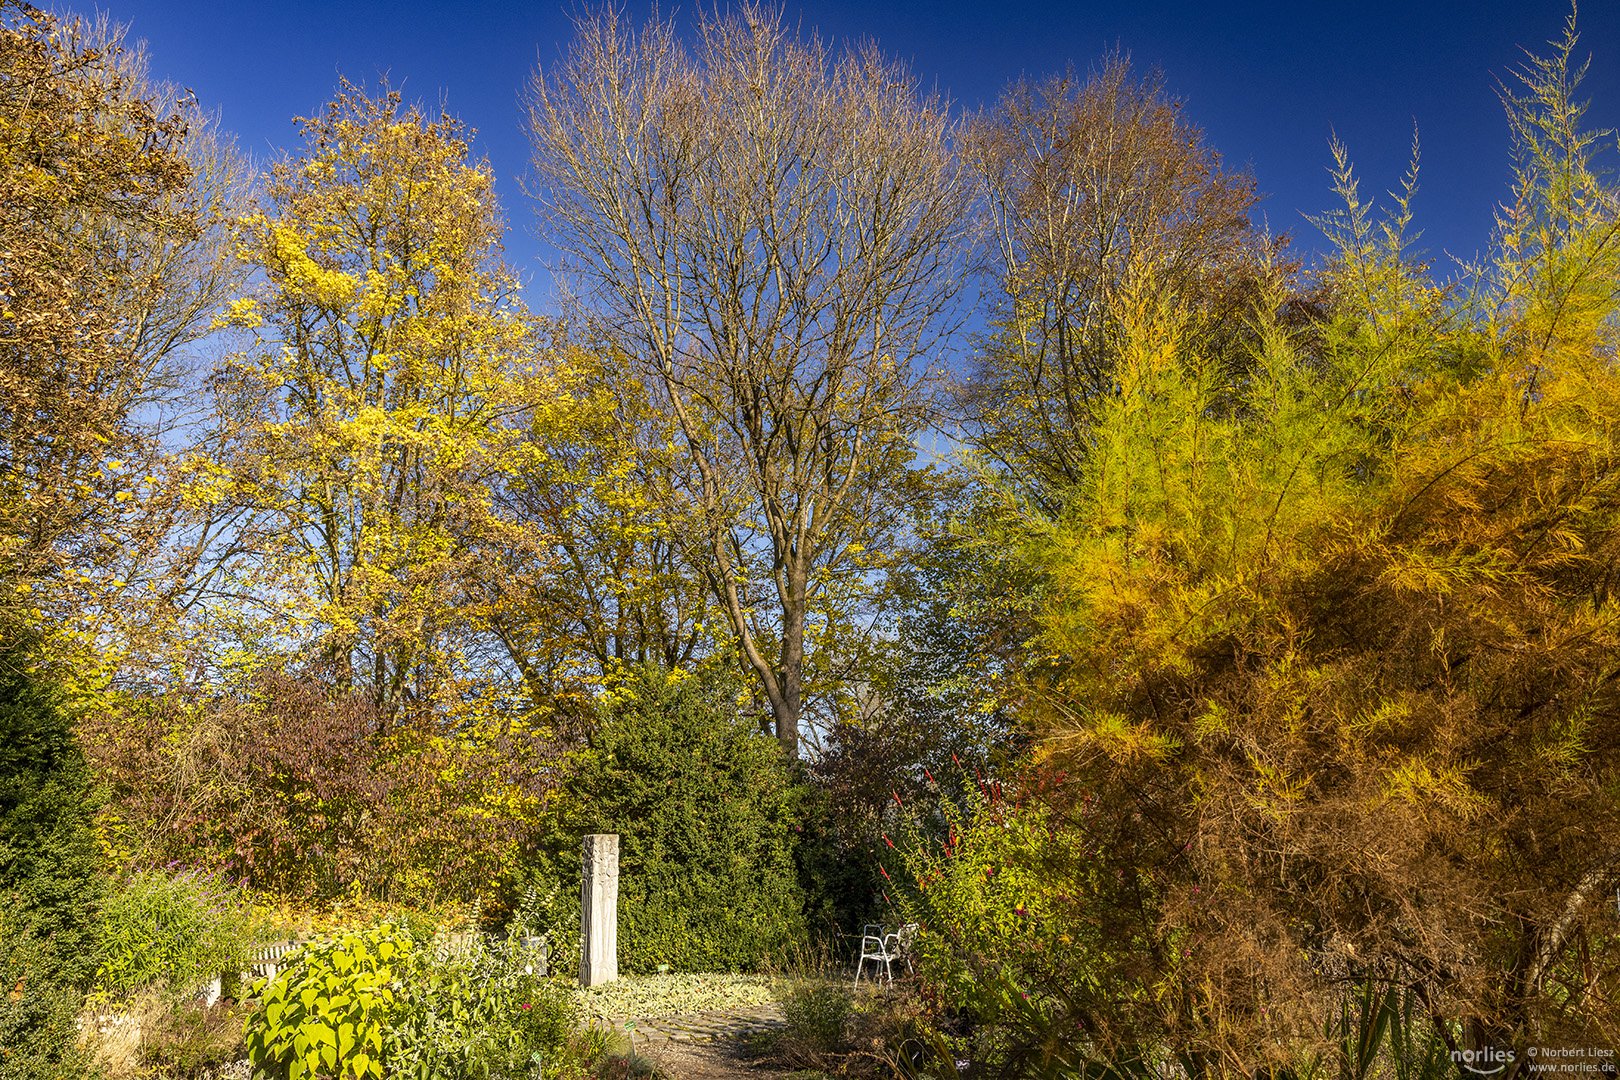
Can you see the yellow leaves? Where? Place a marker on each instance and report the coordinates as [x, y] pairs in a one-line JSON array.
[[301, 275], [241, 312], [1566, 745], [384, 295], [1424, 783], [1387, 717], [1214, 720], [1273, 790], [1117, 737]]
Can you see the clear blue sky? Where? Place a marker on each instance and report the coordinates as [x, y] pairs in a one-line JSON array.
[[1269, 81]]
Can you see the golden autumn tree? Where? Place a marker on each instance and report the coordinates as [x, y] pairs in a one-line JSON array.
[[114, 190], [384, 395], [607, 586], [1330, 677], [1091, 188]]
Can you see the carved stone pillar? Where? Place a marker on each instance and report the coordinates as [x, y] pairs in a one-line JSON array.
[[599, 910]]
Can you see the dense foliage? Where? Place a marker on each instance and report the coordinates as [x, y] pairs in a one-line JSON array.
[[1327, 656], [378, 1003], [172, 933], [51, 875], [705, 809], [1236, 697], [302, 791]]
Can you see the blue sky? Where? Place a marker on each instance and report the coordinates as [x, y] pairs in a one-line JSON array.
[[1269, 81]]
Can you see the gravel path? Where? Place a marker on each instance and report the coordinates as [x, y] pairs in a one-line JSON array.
[[714, 1060]]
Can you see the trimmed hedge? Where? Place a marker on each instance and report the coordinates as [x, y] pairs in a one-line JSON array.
[[706, 810]]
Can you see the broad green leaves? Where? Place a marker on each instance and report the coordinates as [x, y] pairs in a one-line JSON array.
[[327, 1013]]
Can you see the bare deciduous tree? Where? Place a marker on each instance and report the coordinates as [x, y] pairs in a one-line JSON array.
[[769, 231], [1093, 189]]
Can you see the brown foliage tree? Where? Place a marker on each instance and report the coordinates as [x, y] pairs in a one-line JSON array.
[[1093, 189], [112, 192]]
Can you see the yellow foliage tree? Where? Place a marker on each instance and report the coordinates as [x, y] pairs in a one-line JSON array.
[[114, 189], [388, 391]]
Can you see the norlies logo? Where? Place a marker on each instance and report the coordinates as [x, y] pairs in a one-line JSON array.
[[1486, 1061]]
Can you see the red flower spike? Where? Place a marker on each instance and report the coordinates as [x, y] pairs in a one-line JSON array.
[[885, 874], [897, 801], [886, 840]]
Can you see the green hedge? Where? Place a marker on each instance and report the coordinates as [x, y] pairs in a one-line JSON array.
[[50, 875], [706, 811]]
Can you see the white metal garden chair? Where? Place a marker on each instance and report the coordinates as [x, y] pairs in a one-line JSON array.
[[885, 949]]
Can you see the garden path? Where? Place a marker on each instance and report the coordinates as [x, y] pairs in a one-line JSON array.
[[695, 1027], [707, 1045], [723, 1059]]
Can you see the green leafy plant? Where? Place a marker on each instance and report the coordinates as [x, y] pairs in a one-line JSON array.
[[375, 1003], [484, 1015], [178, 931], [328, 1012]]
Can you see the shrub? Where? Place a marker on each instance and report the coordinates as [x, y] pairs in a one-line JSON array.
[[484, 1016], [1018, 903], [327, 1012], [178, 932], [373, 1003], [705, 810], [50, 879], [304, 791]]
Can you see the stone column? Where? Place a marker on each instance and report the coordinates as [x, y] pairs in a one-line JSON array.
[[599, 910]]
